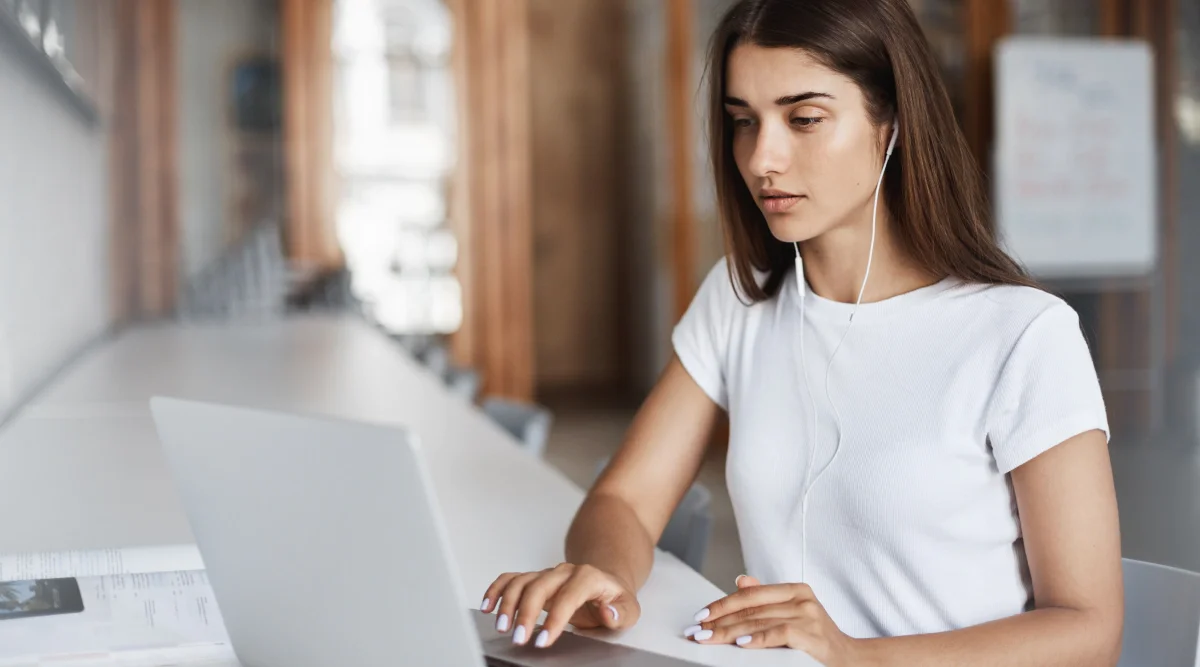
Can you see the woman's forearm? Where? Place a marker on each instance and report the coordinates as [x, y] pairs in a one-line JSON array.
[[607, 534], [1051, 637]]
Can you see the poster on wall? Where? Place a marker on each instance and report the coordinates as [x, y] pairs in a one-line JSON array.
[[1076, 170]]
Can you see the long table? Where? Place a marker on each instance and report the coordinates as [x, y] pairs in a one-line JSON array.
[[92, 475]]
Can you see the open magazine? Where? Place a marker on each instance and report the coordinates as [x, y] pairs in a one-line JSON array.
[[110, 608]]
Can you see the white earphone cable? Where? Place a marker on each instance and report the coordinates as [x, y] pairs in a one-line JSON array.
[[800, 289], [808, 484]]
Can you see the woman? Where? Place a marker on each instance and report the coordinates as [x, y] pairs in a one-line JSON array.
[[918, 445]]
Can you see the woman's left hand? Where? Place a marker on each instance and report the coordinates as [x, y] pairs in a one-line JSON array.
[[779, 615]]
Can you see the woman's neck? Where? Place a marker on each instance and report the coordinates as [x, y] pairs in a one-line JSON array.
[[836, 262]]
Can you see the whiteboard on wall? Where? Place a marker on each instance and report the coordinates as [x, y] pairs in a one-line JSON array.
[[1076, 175]]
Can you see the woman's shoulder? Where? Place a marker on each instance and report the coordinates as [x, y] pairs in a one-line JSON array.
[[723, 285], [1013, 306]]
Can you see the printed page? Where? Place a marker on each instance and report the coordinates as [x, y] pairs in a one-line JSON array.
[[99, 562], [123, 613]]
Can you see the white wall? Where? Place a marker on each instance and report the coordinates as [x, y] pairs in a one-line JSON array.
[[213, 34], [54, 229]]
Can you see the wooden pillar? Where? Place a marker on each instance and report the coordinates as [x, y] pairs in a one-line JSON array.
[[144, 159], [986, 21], [493, 214], [680, 93], [307, 70], [157, 156]]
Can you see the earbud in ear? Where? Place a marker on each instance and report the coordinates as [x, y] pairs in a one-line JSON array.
[[895, 135]]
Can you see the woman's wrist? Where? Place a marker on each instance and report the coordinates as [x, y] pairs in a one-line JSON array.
[[624, 578], [866, 653]]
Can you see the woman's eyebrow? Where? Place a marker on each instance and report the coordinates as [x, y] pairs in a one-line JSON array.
[[785, 101]]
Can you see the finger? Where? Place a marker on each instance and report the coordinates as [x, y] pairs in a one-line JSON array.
[[491, 597], [754, 596], [775, 612], [776, 636], [510, 599], [746, 581], [783, 610], [533, 601], [585, 585], [728, 634]]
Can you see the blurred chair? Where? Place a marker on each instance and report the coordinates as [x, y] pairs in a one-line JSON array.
[[690, 526], [436, 358], [327, 291], [464, 383], [432, 353], [414, 344], [528, 423], [250, 280], [1162, 616]]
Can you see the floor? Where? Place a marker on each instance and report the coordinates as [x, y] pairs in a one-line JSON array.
[[1158, 489]]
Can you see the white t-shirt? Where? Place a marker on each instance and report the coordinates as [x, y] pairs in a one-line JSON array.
[[941, 393]]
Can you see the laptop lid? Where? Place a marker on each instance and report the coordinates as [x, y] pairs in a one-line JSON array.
[[322, 538]]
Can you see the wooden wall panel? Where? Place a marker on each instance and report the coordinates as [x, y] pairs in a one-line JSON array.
[[575, 76]]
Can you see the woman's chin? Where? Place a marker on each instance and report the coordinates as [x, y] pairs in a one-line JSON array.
[[791, 228]]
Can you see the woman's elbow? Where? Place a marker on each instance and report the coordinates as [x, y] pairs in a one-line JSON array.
[[1106, 628]]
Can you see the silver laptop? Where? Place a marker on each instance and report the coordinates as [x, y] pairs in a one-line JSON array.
[[324, 546]]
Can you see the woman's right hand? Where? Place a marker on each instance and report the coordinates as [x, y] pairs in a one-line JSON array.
[[582, 595]]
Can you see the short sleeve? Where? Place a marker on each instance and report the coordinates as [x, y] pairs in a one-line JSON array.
[[1047, 391], [701, 338]]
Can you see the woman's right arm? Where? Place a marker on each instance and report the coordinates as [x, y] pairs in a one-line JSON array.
[[610, 545]]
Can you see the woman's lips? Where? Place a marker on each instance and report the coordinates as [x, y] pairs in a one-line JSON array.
[[780, 204]]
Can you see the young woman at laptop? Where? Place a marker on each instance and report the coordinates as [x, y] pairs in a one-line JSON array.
[[918, 456]]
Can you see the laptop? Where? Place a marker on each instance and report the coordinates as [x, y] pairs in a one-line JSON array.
[[324, 546]]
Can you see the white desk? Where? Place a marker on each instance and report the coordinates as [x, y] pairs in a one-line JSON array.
[[505, 510]]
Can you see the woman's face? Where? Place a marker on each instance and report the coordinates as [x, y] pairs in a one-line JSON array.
[[802, 140]]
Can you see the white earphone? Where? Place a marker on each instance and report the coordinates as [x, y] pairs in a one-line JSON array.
[[808, 484]]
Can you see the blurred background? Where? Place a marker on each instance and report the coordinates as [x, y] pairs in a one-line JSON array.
[[516, 192]]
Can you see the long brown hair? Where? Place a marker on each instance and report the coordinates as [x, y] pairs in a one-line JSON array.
[[933, 186]]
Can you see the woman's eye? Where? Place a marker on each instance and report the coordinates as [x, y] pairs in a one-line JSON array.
[[804, 121], [742, 122]]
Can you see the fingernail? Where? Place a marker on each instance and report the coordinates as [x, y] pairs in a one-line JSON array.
[[742, 641], [703, 635], [738, 581], [702, 614], [616, 615], [519, 635], [484, 606], [543, 639], [691, 630], [502, 623]]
